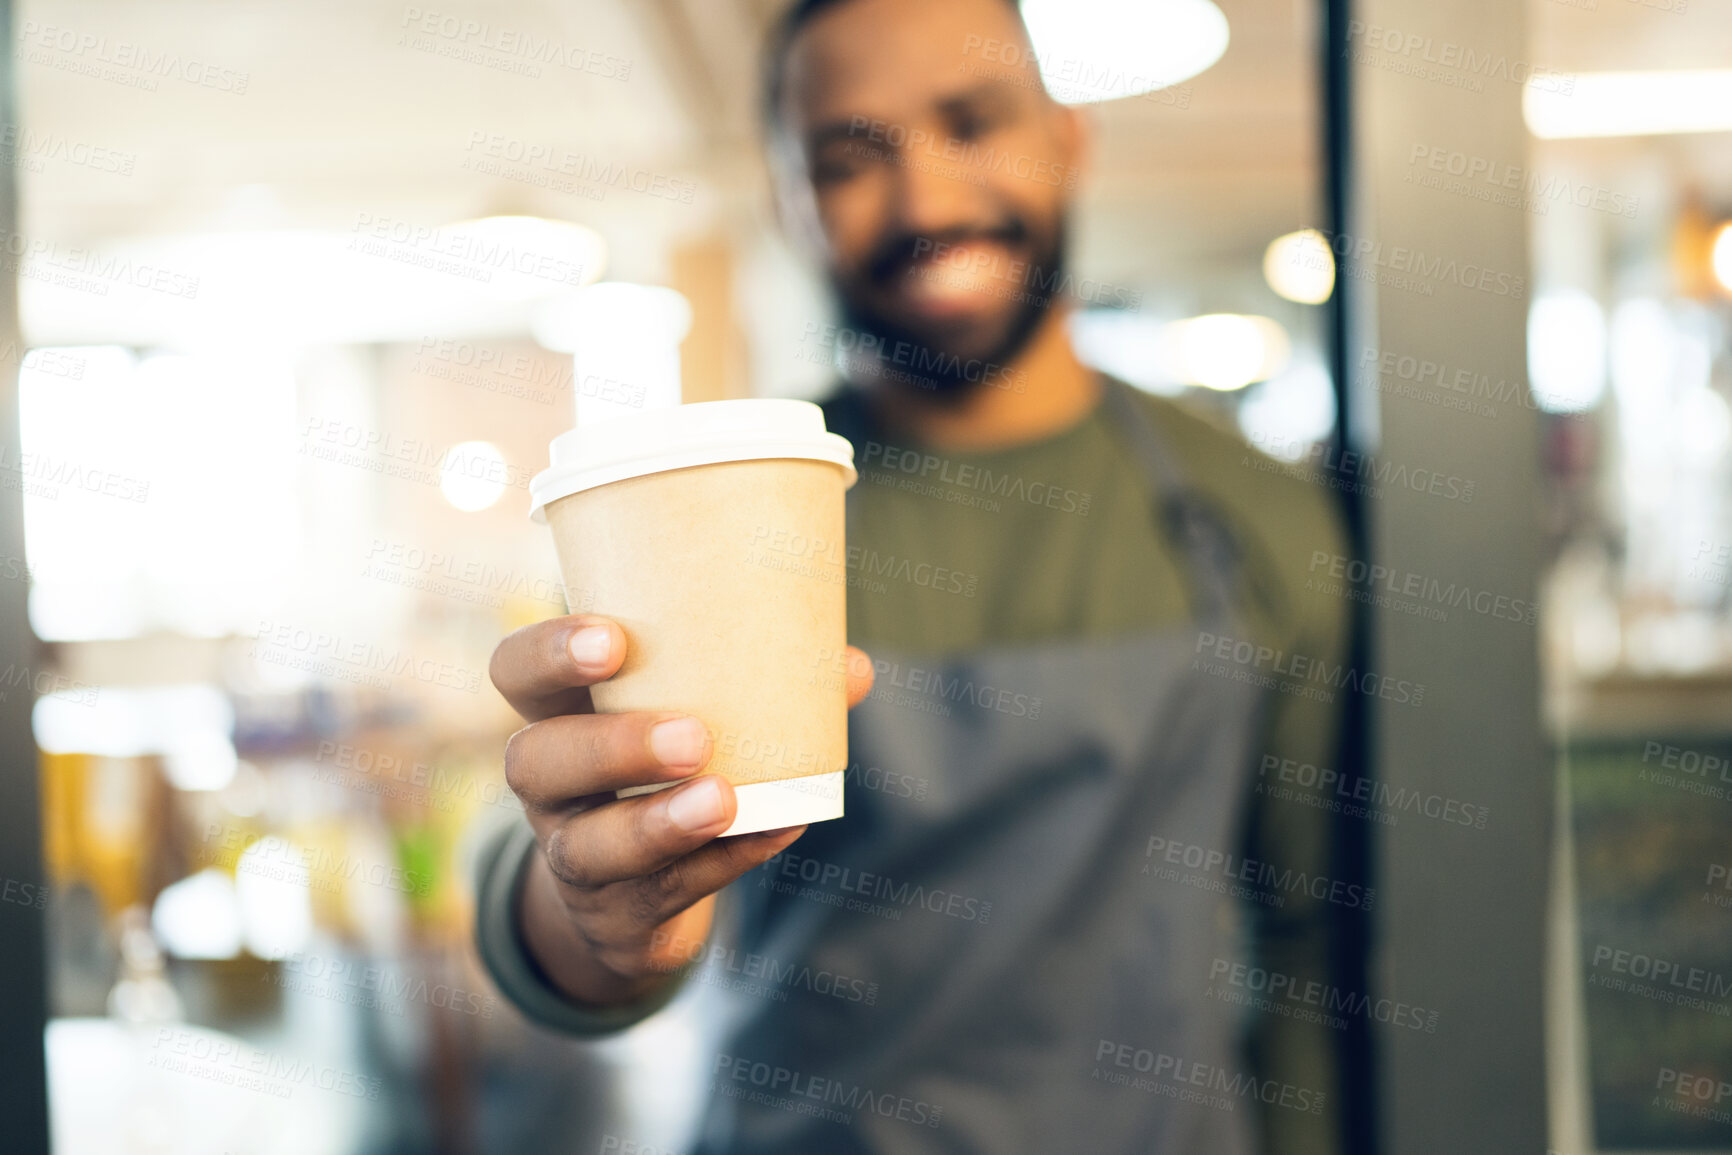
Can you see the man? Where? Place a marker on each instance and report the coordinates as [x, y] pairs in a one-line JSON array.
[[1025, 935]]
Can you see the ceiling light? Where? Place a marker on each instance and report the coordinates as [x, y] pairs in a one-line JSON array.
[[1095, 50], [1722, 256], [474, 476], [1226, 351], [1223, 351], [1300, 267], [383, 279], [192, 722], [1629, 103], [528, 258]]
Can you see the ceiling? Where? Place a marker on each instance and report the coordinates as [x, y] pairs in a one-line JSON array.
[[345, 112], [1640, 35]]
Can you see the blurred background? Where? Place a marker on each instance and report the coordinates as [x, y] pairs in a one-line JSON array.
[[304, 289]]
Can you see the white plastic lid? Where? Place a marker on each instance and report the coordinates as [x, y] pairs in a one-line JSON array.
[[705, 433]]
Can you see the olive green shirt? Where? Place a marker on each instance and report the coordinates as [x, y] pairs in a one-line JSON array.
[[1055, 540]]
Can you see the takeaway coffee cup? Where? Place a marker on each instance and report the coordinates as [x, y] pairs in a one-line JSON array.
[[712, 533]]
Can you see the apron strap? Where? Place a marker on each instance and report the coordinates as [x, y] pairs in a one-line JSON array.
[[1190, 522]]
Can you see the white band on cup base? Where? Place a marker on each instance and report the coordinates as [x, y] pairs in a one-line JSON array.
[[771, 805]]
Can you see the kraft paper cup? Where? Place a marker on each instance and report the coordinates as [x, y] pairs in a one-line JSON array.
[[713, 534]]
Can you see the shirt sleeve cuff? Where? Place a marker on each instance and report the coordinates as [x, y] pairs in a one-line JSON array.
[[508, 961]]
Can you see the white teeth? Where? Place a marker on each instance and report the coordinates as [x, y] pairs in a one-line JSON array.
[[957, 278]]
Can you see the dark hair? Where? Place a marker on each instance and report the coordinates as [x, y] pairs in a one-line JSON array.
[[782, 33]]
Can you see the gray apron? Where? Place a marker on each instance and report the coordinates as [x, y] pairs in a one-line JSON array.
[[993, 962]]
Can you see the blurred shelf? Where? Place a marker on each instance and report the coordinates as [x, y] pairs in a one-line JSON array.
[[1627, 705]]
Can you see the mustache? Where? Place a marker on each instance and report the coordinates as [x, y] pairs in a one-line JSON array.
[[900, 249]]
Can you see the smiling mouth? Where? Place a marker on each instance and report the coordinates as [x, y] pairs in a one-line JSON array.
[[962, 279]]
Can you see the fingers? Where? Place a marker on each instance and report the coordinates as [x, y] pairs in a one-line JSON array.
[[544, 669], [859, 674], [626, 910], [664, 894], [553, 763], [636, 836]]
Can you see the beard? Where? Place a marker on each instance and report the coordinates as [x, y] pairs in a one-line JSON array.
[[951, 357]]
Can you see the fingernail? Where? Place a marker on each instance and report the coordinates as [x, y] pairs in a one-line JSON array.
[[591, 646], [695, 807], [678, 741]]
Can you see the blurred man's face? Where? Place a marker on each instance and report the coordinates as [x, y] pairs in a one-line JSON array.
[[941, 175]]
